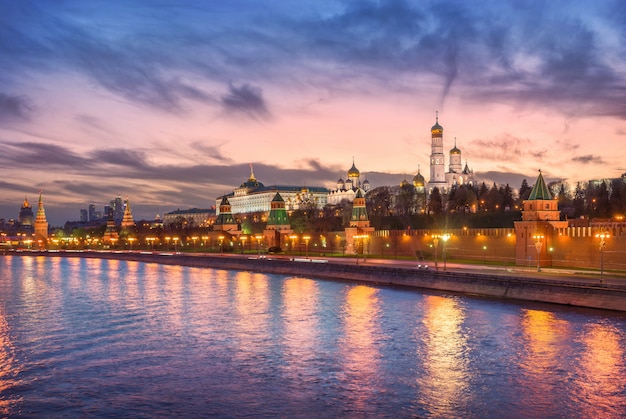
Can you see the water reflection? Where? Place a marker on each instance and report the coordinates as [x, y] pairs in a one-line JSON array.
[[445, 386], [601, 372], [9, 367], [360, 352], [300, 334]]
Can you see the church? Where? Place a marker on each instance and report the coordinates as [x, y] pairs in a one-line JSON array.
[[456, 174]]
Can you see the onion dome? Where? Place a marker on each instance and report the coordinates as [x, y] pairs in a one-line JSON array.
[[455, 150], [353, 171], [418, 180], [437, 128], [404, 183]]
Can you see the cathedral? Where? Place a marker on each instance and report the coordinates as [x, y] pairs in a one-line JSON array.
[[456, 174], [346, 190]]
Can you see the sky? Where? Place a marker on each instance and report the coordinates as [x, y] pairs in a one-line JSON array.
[[168, 103]]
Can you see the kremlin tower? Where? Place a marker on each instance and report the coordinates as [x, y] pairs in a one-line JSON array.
[[41, 224]]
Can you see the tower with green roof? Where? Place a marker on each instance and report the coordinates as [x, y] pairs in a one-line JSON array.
[[541, 220], [225, 220], [277, 222]]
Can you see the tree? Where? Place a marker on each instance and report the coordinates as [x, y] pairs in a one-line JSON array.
[[524, 192], [378, 202], [435, 205], [579, 201], [405, 202]]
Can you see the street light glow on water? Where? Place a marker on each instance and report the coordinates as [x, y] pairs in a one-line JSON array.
[[88, 337]]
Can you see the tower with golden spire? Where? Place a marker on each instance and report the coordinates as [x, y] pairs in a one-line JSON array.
[[127, 220], [41, 224]]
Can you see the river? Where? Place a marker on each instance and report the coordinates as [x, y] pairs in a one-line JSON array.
[[109, 338]]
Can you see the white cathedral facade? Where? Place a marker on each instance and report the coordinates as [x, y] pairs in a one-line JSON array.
[[456, 174]]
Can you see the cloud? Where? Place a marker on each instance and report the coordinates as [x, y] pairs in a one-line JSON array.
[[588, 159], [40, 155], [15, 107], [121, 157], [245, 100], [507, 148]]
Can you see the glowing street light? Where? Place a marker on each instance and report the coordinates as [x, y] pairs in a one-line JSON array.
[[175, 239], [602, 236], [130, 242], [221, 238], [436, 245], [538, 245], [204, 239], [243, 243], [167, 240], [194, 238], [306, 241], [445, 239], [293, 238], [258, 238], [151, 241]]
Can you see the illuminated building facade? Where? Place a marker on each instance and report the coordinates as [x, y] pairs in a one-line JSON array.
[[253, 196], [346, 190]]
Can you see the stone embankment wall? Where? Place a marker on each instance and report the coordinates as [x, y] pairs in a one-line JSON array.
[[488, 285]]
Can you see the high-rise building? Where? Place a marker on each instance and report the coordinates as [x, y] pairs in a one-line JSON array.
[[26, 217], [84, 216], [117, 207], [91, 216]]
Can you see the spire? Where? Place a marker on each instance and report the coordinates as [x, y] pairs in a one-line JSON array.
[[127, 220], [436, 117], [252, 178], [41, 224], [540, 190]]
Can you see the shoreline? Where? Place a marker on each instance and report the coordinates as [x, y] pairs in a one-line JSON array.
[[508, 285]]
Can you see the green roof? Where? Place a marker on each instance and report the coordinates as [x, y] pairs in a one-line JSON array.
[[540, 190]]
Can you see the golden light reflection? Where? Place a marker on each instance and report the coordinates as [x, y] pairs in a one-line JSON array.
[[543, 333], [252, 312], [301, 325], [9, 368], [446, 382], [362, 312], [601, 373]]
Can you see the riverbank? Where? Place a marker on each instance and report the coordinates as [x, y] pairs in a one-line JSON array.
[[560, 289]]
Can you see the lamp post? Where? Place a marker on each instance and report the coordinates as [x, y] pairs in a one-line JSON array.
[[436, 244], [167, 240], [204, 239], [602, 236], [258, 238], [243, 243], [151, 241], [445, 239], [356, 247], [538, 245], [484, 255], [221, 238], [293, 238], [194, 238], [130, 242], [175, 239], [306, 241]]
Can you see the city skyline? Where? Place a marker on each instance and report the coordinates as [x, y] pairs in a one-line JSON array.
[[168, 105]]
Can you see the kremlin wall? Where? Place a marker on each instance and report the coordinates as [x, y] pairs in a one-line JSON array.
[[539, 239]]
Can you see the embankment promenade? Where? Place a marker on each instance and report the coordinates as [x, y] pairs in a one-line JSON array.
[[555, 286]]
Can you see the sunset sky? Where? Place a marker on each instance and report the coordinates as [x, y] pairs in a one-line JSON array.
[[167, 103]]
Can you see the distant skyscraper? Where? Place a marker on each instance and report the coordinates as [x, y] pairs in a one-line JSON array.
[[26, 217], [91, 212], [117, 206], [84, 216]]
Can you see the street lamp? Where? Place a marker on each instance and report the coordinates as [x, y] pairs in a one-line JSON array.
[[436, 244], [194, 238], [175, 239], [484, 255], [445, 239], [151, 241], [602, 236], [356, 247], [243, 243], [258, 238], [204, 239], [293, 238], [306, 241], [167, 240], [221, 244], [130, 242], [538, 245]]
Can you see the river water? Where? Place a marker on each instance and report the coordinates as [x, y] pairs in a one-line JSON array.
[[106, 338]]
